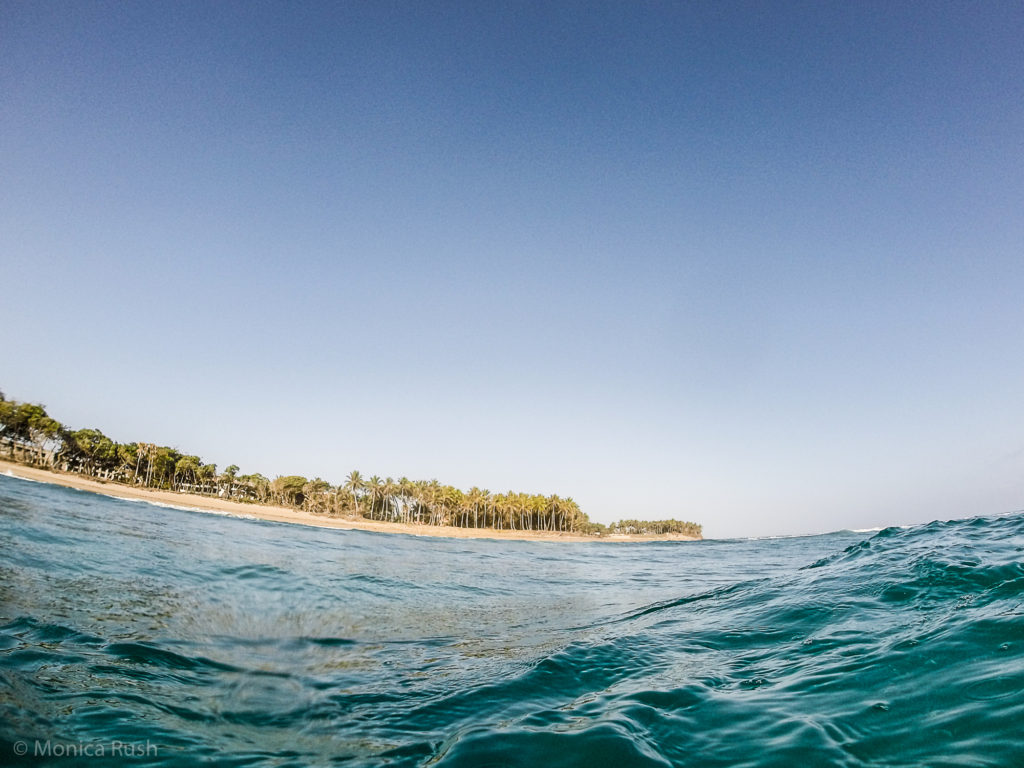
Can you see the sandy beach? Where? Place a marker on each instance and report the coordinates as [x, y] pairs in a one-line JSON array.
[[300, 517]]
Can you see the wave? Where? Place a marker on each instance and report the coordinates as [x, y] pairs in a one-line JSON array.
[[844, 661], [185, 508], [8, 473], [900, 647]]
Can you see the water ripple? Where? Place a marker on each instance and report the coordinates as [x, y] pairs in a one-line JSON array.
[[243, 643]]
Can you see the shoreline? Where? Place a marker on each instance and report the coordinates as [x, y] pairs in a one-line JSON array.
[[195, 502]]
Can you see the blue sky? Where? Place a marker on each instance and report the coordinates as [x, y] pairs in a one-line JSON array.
[[759, 265]]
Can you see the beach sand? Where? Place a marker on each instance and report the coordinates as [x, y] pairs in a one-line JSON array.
[[287, 515]]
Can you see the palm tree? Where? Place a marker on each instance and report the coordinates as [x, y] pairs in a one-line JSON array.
[[376, 486], [555, 505], [420, 501], [407, 492], [435, 500], [185, 466], [452, 500], [389, 496], [487, 500], [473, 499], [354, 485], [575, 515]]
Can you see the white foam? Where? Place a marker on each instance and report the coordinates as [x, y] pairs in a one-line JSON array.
[[8, 473], [777, 536], [183, 508]]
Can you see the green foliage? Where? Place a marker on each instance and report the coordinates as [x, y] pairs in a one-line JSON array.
[[28, 422], [655, 527], [27, 428], [289, 489], [254, 487], [92, 447]]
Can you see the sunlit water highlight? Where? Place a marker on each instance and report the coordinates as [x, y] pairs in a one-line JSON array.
[[232, 642]]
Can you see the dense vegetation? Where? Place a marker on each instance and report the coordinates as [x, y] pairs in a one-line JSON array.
[[30, 436]]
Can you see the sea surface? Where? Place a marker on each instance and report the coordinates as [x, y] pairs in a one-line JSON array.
[[132, 634]]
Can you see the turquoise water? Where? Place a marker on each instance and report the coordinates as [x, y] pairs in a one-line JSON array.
[[192, 638]]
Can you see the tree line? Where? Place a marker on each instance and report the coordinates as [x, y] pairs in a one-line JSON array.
[[29, 435]]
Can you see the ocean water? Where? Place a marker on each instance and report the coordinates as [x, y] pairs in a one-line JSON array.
[[139, 635]]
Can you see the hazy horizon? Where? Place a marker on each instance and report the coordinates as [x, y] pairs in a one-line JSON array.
[[756, 266]]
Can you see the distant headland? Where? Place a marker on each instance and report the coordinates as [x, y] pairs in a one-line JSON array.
[[35, 446]]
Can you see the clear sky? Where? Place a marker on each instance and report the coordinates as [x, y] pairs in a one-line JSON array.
[[758, 265]]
